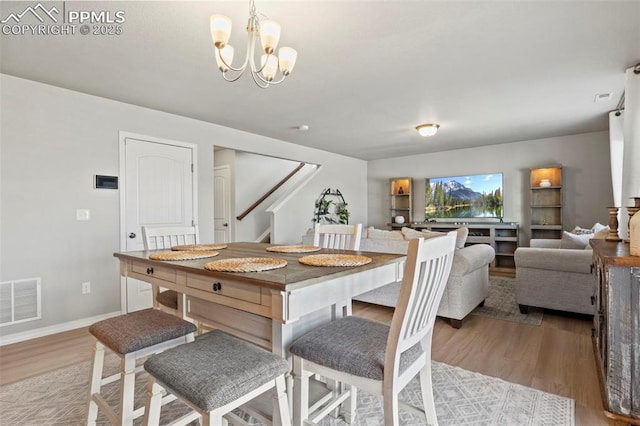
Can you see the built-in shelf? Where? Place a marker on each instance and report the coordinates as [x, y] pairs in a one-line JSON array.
[[401, 201], [546, 202]]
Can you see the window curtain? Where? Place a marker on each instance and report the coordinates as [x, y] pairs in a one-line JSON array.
[[631, 149], [616, 146]]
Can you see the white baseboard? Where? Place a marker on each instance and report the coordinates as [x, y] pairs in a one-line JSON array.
[[53, 329]]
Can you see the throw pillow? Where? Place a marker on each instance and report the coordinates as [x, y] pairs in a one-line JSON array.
[[410, 234], [573, 241], [461, 238], [382, 234], [602, 234], [599, 227], [581, 231], [461, 235]]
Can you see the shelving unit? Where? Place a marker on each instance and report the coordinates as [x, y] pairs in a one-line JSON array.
[[401, 202], [503, 237], [546, 202]]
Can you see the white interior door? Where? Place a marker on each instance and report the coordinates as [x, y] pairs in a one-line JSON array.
[[222, 204], [158, 186]]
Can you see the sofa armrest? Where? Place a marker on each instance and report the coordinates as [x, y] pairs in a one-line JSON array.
[[470, 258], [566, 260], [545, 243]]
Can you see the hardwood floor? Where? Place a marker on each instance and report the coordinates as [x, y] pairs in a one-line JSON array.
[[555, 357]]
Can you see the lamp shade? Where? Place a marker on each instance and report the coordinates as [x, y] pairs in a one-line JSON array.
[[269, 69], [269, 35], [427, 130], [220, 30], [227, 54], [288, 58]]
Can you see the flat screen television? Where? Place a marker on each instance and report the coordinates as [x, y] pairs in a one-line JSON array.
[[468, 196]]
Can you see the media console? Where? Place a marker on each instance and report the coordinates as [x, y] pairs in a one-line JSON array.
[[503, 237]]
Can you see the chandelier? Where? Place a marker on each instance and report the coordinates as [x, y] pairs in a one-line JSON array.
[[268, 32]]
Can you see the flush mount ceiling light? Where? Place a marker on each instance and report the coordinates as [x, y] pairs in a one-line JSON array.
[[269, 34], [427, 130]]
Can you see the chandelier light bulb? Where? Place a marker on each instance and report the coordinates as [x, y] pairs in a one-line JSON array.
[[288, 58], [220, 30], [269, 35], [427, 130]]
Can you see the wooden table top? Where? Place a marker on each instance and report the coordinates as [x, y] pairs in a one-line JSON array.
[[292, 276], [614, 253]]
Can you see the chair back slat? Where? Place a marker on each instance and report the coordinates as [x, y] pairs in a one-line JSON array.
[[426, 273], [344, 237], [157, 237]]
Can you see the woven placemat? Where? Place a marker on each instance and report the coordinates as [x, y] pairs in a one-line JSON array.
[[246, 264], [293, 249], [183, 255], [334, 260], [199, 247]]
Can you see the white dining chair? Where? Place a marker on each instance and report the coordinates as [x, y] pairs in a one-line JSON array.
[[342, 237], [375, 357], [165, 237]]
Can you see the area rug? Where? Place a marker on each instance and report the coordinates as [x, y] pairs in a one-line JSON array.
[[501, 303], [462, 398]]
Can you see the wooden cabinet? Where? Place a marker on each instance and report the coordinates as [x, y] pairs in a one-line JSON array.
[[546, 202], [503, 237], [616, 331], [401, 202]]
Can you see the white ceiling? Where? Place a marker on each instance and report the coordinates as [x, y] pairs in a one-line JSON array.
[[368, 72]]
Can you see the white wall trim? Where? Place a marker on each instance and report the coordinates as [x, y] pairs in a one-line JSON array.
[[53, 329]]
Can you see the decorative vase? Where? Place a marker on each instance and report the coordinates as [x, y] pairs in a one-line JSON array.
[[399, 220], [545, 183], [400, 190], [634, 234]]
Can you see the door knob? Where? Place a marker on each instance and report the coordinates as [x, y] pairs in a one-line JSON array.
[[132, 235], [225, 224]]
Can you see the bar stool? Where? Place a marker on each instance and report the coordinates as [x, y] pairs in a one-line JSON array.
[[214, 375], [131, 337]]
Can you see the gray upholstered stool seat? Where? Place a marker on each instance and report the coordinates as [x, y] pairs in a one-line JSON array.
[[213, 372], [352, 345], [131, 336], [168, 298], [131, 332]]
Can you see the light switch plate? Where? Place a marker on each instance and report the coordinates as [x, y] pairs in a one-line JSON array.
[[83, 214]]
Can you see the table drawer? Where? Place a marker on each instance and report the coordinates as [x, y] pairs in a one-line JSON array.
[[159, 272], [255, 328], [228, 288]]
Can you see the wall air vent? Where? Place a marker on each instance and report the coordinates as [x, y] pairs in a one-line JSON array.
[[20, 301]]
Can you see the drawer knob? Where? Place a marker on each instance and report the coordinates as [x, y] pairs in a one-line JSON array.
[[149, 271], [217, 286]]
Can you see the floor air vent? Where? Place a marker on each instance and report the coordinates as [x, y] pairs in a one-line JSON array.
[[20, 301]]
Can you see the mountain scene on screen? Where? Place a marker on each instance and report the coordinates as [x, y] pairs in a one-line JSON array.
[[464, 196]]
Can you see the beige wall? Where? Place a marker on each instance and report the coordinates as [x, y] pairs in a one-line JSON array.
[[52, 143], [584, 157]]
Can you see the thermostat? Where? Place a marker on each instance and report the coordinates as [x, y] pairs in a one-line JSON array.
[[106, 182]]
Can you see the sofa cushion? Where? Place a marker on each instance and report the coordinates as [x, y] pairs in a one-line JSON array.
[[382, 234], [565, 260]]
